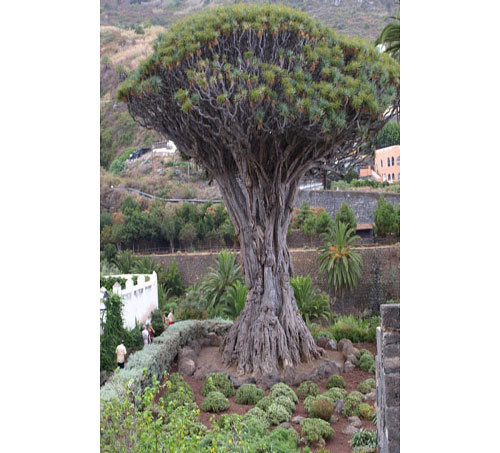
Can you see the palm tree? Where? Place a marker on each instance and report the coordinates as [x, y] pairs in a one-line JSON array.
[[389, 37], [340, 263], [225, 274], [312, 304], [234, 300]]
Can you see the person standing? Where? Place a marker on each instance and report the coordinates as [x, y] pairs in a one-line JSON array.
[[170, 317], [145, 335], [121, 352], [151, 333]]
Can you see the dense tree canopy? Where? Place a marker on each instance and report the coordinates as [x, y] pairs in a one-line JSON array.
[[259, 95]]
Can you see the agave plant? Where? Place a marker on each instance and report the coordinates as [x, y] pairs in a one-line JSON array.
[[338, 261], [225, 274], [311, 303]]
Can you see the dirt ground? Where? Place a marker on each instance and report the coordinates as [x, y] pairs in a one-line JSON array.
[[338, 444]]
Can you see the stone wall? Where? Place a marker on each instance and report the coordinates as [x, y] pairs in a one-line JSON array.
[[194, 266], [363, 203], [388, 372]]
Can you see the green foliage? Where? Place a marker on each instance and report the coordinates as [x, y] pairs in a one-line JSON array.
[[388, 135], [346, 215], [323, 223], [106, 219], [386, 218], [286, 402], [157, 322], [249, 394], [218, 382], [118, 164], [390, 37], [335, 394], [216, 283], [192, 305], [110, 252], [367, 385], [276, 414], [303, 214], [256, 412], [364, 439], [113, 332], [282, 389], [307, 388], [367, 363], [352, 403], [172, 281], [315, 429], [365, 411], [335, 381], [125, 261], [338, 261], [108, 282], [215, 402], [234, 300], [264, 403], [188, 233], [354, 329], [321, 408], [311, 302]]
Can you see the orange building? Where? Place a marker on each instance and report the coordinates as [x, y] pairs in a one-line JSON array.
[[387, 163]]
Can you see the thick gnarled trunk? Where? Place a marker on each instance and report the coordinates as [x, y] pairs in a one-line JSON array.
[[269, 334]]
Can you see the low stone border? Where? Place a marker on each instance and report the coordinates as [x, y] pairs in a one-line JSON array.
[[155, 358]]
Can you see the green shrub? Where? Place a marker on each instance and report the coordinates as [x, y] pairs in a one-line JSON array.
[[279, 440], [286, 402], [354, 329], [172, 281], [385, 218], [364, 439], [308, 402], [311, 302], [363, 352], [307, 388], [282, 389], [315, 429], [321, 408], [352, 403], [335, 394], [215, 402], [335, 381], [276, 413], [367, 363], [346, 215], [264, 403], [218, 382], [110, 252], [367, 385], [249, 394], [256, 412], [366, 411]]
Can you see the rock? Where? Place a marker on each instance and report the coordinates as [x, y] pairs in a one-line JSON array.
[[321, 443], [350, 430], [331, 345], [348, 366], [339, 406], [239, 381], [202, 372], [290, 376], [354, 351], [297, 419], [344, 344], [187, 353], [187, 367], [322, 342], [267, 381], [355, 421], [195, 346], [286, 425], [211, 339], [351, 358], [325, 370], [334, 419], [372, 396]]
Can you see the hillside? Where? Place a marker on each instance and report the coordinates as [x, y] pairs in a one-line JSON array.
[[128, 28]]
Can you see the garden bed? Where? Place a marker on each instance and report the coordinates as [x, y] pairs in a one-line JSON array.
[[340, 441]]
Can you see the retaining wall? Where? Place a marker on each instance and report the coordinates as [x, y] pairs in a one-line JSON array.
[[387, 374], [194, 266], [363, 203]]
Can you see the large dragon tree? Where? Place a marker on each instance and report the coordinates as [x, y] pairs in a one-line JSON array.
[[259, 95]]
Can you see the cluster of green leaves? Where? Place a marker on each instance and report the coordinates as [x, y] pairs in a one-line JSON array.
[[307, 388], [367, 385], [329, 70], [388, 135], [366, 361], [352, 403], [315, 429], [335, 381], [215, 402], [355, 329], [364, 439], [218, 382], [386, 218], [311, 302], [346, 215], [338, 261], [108, 282], [249, 394], [312, 222], [321, 408]]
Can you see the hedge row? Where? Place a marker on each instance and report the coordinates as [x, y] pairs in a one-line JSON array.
[[155, 358]]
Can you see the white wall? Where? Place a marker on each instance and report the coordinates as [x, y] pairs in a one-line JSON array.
[[138, 300]]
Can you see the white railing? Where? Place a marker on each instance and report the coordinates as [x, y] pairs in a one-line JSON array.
[[139, 300]]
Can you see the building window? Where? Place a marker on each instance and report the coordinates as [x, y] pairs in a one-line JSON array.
[[399, 158], [392, 161], [388, 162], [389, 176], [393, 178], [381, 163]]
